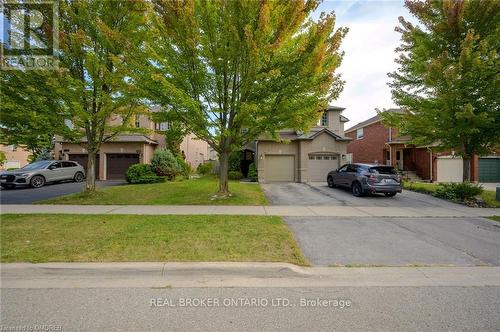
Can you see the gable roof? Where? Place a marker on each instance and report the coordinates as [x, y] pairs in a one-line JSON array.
[[293, 135], [372, 120]]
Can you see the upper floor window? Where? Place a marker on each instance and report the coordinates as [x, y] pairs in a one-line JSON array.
[[324, 119], [161, 126], [359, 133], [137, 121]]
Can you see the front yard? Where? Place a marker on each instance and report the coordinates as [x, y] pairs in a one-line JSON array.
[[429, 188], [97, 238], [188, 192]]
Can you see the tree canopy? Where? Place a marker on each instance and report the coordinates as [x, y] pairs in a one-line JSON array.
[[233, 70], [448, 78]]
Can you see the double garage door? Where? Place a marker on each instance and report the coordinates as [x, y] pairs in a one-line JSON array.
[[320, 165], [116, 163], [282, 168]]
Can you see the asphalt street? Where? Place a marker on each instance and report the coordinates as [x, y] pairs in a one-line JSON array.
[[27, 195], [398, 241], [255, 309]]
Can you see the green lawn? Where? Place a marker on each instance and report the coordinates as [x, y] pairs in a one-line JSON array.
[[108, 238], [188, 192], [496, 218], [428, 188]]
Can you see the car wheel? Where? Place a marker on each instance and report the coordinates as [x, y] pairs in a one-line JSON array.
[[37, 181], [390, 194], [329, 180], [356, 189], [78, 177]]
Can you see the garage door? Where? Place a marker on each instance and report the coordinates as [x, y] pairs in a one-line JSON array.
[[118, 163], [449, 169], [320, 165], [82, 160], [279, 169], [489, 169]]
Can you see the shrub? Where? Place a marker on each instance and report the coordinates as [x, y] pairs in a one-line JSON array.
[[141, 173], [235, 161], [235, 175], [458, 191], [185, 169], [252, 173], [164, 163], [204, 169]]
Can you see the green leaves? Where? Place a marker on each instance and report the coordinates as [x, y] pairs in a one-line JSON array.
[[448, 75]]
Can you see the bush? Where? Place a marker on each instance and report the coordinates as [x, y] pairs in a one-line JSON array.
[[252, 173], [185, 169], [141, 173], [164, 163], [204, 169], [235, 161], [235, 175], [458, 191]]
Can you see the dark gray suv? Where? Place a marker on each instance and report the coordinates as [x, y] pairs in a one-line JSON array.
[[366, 179]]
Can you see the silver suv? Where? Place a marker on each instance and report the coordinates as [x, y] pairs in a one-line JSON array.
[[40, 172], [366, 179]]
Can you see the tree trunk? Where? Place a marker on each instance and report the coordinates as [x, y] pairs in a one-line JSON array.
[[223, 174], [466, 168], [90, 181]]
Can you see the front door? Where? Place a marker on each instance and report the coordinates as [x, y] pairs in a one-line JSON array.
[[399, 159]]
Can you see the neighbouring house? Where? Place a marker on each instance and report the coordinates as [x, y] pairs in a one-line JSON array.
[[15, 156], [303, 156], [124, 150], [373, 142]]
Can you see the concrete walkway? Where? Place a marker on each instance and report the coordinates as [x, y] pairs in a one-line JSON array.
[[275, 210], [221, 274]]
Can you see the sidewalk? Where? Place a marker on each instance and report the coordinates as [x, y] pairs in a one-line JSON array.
[[178, 275], [275, 210]]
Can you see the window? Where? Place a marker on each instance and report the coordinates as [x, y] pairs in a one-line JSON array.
[[68, 164], [352, 168], [137, 121], [324, 119], [161, 126], [359, 133], [311, 157]]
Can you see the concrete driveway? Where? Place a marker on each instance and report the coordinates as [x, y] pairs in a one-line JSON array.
[[398, 241], [318, 193], [27, 195]]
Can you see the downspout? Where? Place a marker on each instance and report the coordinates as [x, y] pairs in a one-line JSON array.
[[299, 170], [430, 160]]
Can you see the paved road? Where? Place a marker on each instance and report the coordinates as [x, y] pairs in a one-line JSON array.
[[371, 308], [398, 241], [28, 195], [318, 193]]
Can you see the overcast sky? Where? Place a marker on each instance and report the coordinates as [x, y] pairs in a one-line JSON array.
[[369, 53]]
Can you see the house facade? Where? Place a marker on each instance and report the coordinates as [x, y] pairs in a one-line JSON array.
[[15, 156], [124, 150], [373, 142], [304, 157]]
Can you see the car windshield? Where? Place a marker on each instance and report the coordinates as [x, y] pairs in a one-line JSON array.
[[37, 165], [383, 170]]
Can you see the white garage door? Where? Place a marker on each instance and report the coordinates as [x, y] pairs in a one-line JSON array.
[[320, 165], [279, 169], [449, 169]]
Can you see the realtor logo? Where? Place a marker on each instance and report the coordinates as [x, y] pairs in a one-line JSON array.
[[29, 39]]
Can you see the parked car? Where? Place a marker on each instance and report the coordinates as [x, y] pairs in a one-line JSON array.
[[366, 178], [40, 172]]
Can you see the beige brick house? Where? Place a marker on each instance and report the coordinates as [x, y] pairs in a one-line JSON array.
[[15, 156], [304, 157], [116, 156]]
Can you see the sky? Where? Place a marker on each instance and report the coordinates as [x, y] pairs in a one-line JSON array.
[[369, 53]]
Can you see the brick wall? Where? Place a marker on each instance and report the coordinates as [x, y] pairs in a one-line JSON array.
[[370, 148]]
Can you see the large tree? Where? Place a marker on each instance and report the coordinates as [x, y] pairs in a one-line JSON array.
[[97, 37], [31, 116], [448, 76], [234, 70]]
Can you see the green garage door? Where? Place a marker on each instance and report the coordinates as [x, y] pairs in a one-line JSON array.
[[489, 169]]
